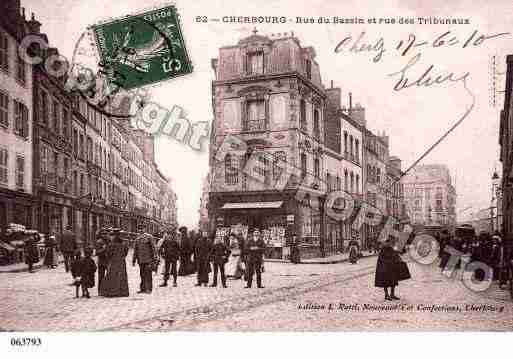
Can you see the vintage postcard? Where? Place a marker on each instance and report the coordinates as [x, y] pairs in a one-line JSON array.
[[255, 166]]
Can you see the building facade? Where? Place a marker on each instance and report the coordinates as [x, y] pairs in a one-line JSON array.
[[430, 197], [506, 154], [16, 139], [268, 94], [64, 163]]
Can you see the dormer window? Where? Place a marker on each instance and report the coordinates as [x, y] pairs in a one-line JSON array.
[[255, 63]]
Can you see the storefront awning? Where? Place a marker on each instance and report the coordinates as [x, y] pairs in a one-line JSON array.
[[253, 205]]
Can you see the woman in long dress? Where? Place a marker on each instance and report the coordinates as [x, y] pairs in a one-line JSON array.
[[51, 252], [115, 283], [353, 251], [387, 270]]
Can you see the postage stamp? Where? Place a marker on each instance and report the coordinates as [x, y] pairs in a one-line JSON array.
[[142, 49]]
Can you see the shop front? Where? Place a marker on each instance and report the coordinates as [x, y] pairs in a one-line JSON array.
[[274, 214], [16, 207]]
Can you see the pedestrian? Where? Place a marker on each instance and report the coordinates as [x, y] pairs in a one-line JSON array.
[[115, 283], [101, 255], [187, 250], [68, 246], [353, 251], [170, 252], [295, 256], [87, 270], [219, 254], [145, 254], [201, 258], [389, 270], [31, 251], [50, 260], [254, 251], [75, 267]]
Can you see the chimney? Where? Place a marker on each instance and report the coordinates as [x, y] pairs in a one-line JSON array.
[[350, 104]]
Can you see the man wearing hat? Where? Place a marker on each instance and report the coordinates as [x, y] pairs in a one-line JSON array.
[[254, 250], [145, 254]]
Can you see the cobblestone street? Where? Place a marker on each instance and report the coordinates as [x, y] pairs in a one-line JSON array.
[[43, 301]]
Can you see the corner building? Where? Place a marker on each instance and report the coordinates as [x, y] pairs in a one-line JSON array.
[[268, 93]]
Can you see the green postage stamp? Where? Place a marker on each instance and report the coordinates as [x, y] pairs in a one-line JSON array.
[[142, 49]]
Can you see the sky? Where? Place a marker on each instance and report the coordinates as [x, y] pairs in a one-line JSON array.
[[413, 117]]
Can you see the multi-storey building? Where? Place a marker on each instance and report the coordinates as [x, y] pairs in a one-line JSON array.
[[268, 93], [84, 169], [430, 197], [16, 155], [395, 205], [506, 155]]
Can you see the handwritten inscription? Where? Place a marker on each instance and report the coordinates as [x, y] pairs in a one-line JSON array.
[[430, 76]]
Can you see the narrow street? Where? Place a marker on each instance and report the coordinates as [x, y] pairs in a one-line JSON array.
[[30, 303]]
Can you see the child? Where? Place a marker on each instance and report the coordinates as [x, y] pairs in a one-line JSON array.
[[76, 264], [87, 270]]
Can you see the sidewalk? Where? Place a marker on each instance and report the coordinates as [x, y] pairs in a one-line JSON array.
[[337, 258], [23, 267]]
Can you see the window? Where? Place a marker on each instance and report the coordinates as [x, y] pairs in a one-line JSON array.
[[65, 122], [378, 175], [302, 114], [56, 120], [345, 143], [81, 146], [338, 183], [328, 182], [346, 185], [256, 116], [303, 165], [75, 142], [280, 158], [351, 153], [89, 149], [4, 109], [317, 168], [316, 128], [263, 170], [256, 63], [308, 69], [44, 160], [357, 184], [66, 168], [4, 51], [357, 150], [82, 189], [352, 182], [231, 174], [20, 119], [75, 183], [44, 108], [20, 172], [4, 159], [21, 70]]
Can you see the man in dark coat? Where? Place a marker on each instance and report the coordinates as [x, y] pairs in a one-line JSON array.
[[202, 259], [170, 251], [220, 254], [145, 254], [186, 252], [254, 251], [101, 253], [68, 246], [87, 270]]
